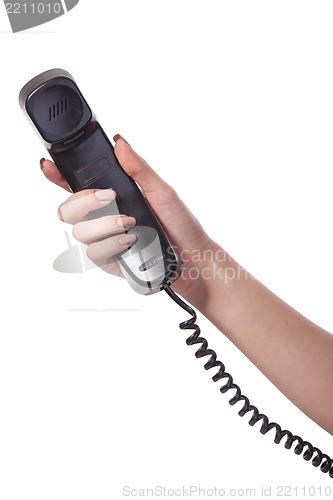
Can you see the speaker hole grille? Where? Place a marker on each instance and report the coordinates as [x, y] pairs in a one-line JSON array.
[[58, 109]]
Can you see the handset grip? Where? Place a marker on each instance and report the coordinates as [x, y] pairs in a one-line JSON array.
[[85, 157]]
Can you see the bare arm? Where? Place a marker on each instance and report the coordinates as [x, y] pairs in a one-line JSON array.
[[294, 353], [276, 338]]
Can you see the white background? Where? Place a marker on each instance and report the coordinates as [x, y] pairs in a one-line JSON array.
[[231, 102]]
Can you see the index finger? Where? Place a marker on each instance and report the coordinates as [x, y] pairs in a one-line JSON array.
[[51, 172]]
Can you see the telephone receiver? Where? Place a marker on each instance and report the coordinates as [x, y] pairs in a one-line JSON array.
[[84, 155]]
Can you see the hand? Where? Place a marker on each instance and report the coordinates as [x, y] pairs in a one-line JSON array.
[[183, 229]]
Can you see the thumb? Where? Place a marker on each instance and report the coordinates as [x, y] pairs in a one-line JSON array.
[[137, 168], [175, 217]]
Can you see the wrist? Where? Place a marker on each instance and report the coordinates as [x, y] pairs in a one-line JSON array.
[[207, 276]]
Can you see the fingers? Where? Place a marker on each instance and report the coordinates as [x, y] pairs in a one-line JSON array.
[[112, 267], [94, 233], [100, 252], [78, 206], [52, 174], [137, 168], [89, 231]]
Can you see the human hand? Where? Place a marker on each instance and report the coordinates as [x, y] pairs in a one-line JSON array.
[[183, 229]]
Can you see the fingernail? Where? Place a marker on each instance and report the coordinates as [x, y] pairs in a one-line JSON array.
[[118, 136], [127, 239], [105, 194], [41, 163], [125, 221]]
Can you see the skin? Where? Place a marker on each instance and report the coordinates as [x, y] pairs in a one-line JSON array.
[[281, 342]]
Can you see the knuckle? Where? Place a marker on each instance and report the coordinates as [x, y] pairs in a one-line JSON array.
[[76, 231], [106, 224], [85, 205], [90, 252], [61, 213], [169, 193]]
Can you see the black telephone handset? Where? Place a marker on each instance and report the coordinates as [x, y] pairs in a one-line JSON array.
[[85, 157]]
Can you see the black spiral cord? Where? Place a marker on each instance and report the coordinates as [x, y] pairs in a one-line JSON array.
[[308, 450]]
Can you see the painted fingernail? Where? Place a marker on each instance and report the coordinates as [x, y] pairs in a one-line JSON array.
[[127, 239], [41, 163], [105, 194], [125, 221], [117, 137]]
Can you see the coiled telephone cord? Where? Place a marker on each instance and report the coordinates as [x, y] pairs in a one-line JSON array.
[[309, 451]]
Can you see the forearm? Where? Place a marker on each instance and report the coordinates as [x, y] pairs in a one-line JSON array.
[[283, 344]]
